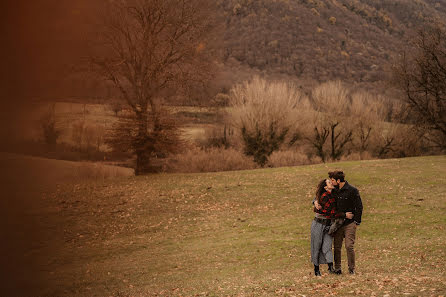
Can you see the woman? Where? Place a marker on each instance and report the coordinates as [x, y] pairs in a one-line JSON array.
[[321, 241]]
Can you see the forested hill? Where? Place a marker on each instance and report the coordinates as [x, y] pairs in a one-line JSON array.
[[351, 40]]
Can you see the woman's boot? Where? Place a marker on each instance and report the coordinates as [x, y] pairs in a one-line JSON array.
[[317, 272]]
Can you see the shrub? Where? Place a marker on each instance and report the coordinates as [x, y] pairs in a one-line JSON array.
[[77, 134], [209, 160], [94, 136], [331, 124], [218, 137], [397, 141], [116, 106], [367, 113], [87, 138], [289, 158], [265, 113], [221, 100], [261, 144]]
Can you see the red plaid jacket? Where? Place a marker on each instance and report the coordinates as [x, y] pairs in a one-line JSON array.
[[328, 203]]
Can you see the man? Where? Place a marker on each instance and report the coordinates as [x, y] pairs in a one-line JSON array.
[[347, 200]]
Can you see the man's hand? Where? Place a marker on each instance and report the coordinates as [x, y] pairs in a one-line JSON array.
[[317, 205], [349, 215]]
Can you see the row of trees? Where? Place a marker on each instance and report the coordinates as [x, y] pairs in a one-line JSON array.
[[331, 122], [151, 47]]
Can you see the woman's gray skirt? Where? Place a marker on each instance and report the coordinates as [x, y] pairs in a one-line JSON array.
[[321, 242]]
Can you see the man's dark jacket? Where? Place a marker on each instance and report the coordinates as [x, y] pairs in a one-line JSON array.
[[349, 200]]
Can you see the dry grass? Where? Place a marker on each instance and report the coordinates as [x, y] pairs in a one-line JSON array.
[[97, 171], [331, 97], [289, 158], [243, 233], [209, 160]]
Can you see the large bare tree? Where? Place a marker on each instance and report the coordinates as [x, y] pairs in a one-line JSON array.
[[421, 75], [150, 48]]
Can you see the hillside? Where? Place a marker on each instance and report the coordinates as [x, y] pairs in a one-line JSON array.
[[305, 40], [314, 40], [243, 233]]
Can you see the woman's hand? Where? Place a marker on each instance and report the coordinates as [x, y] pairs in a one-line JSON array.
[[317, 205], [349, 215]]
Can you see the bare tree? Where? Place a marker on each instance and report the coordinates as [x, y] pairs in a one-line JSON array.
[[386, 145], [422, 78], [150, 47], [265, 113], [339, 140], [368, 112], [116, 106], [318, 141], [331, 101]]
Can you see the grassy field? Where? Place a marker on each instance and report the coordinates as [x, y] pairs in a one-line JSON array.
[[244, 233]]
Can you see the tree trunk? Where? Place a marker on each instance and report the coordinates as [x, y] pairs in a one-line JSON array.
[[333, 140], [142, 154], [142, 162]]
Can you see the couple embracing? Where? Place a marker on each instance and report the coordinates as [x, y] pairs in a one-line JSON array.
[[338, 211]]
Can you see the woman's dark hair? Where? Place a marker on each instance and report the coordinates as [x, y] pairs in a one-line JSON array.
[[320, 189]]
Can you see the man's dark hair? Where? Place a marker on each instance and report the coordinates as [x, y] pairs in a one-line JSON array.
[[337, 174]]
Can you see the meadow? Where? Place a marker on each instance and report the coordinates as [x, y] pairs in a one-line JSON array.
[[240, 233]]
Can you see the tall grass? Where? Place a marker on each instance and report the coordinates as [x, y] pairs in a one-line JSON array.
[[290, 158], [209, 160]]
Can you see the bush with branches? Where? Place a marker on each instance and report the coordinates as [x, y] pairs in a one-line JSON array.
[[265, 115], [331, 130]]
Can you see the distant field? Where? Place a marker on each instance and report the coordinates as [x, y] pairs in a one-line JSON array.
[[244, 233], [193, 119]]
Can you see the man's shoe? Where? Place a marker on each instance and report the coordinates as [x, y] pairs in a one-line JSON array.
[[351, 271], [317, 273], [338, 271], [331, 270]]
